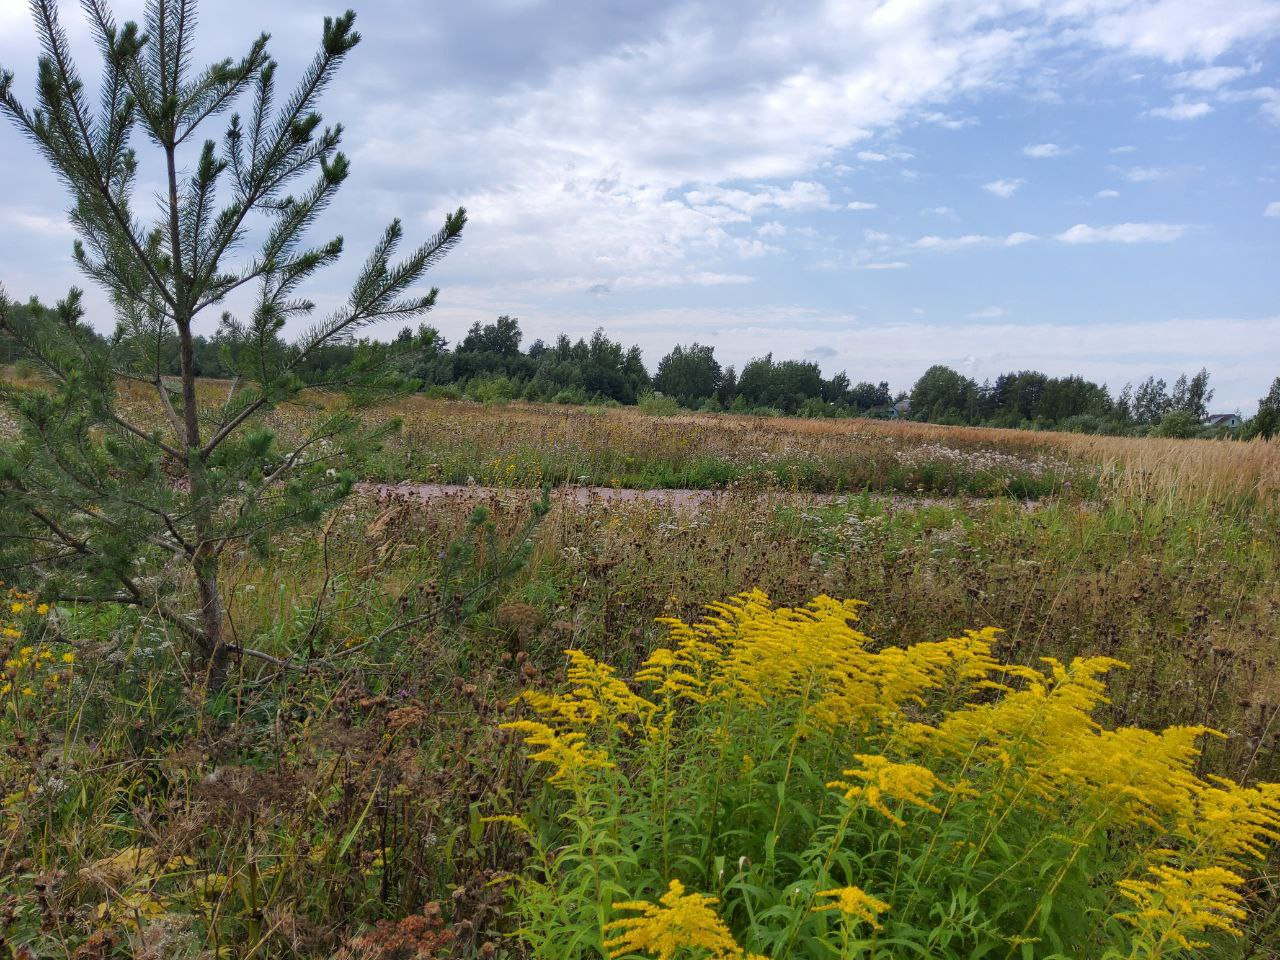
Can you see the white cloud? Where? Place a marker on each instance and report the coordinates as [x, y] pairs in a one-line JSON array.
[[1154, 174], [1182, 111], [732, 204], [1123, 233], [636, 179], [1211, 78], [1003, 188], [889, 265], [1267, 97], [639, 154], [771, 229], [1043, 150], [29, 222], [1107, 194], [1127, 148], [861, 205], [933, 242], [1179, 30], [1273, 209]]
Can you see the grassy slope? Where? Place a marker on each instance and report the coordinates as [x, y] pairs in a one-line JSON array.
[[311, 803]]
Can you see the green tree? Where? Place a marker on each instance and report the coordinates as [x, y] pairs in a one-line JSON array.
[[1266, 423], [943, 395], [1192, 396], [107, 508], [690, 374]]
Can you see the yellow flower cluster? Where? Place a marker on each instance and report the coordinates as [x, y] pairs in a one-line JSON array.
[[567, 751], [1180, 903], [30, 667], [855, 903], [882, 780], [679, 921], [1017, 737]]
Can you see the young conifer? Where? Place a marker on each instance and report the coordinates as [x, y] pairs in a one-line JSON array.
[[108, 503]]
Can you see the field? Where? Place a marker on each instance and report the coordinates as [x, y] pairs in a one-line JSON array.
[[338, 796]]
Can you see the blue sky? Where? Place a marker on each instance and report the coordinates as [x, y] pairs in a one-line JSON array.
[[1086, 186]]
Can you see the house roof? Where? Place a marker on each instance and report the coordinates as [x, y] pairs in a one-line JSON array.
[[1214, 419]]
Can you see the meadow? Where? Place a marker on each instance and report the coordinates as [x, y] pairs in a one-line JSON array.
[[795, 778]]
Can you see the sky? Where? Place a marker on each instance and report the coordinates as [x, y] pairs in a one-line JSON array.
[[1081, 186]]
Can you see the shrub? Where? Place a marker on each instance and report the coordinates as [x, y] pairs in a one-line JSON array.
[[658, 405], [497, 389], [571, 395], [1177, 424], [785, 788]]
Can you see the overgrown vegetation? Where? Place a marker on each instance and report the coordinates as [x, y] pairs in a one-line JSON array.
[[839, 798], [386, 746]]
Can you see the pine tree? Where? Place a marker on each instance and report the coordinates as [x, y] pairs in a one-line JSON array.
[[108, 506]]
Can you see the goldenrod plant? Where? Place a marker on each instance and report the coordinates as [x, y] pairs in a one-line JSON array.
[[774, 783]]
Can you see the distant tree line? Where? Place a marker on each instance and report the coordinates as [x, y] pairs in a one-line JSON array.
[[1032, 400], [489, 365]]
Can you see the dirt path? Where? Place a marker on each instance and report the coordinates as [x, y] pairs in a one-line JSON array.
[[611, 496]]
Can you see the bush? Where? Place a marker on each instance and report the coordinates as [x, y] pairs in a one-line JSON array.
[[571, 395], [658, 405], [1178, 424], [491, 389], [784, 787]]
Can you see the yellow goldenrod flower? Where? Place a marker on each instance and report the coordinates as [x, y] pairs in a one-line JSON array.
[[883, 779], [679, 921], [854, 903], [567, 752], [1181, 903]]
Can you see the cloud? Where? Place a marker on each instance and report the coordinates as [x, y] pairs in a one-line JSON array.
[[884, 265], [1127, 148], [627, 147], [1209, 79], [24, 220], [1182, 111], [1003, 188], [1154, 174], [861, 205], [968, 240], [1273, 209], [872, 156], [1107, 194], [1043, 150], [1179, 30], [733, 204], [1123, 233]]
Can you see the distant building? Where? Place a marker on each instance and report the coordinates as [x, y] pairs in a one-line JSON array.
[[903, 408], [1228, 420]]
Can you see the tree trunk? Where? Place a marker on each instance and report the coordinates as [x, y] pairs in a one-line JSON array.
[[215, 653], [203, 562]]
